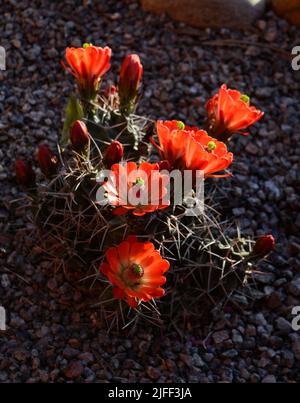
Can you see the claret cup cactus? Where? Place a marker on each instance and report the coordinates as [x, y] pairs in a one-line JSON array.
[[120, 205]]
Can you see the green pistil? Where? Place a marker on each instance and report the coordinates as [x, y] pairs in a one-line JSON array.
[[211, 145], [180, 125], [139, 181], [137, 270], [86, 45], [245, 98]]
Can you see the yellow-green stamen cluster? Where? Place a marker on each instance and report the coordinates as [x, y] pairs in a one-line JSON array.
[[137, 270], [140, 181], [86, 45], [211, 145], [245, 98], [180, 125]]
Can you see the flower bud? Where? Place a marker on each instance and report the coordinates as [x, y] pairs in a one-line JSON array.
[[79, 136], [164, 165], [130, 80], [113, 154], [47, 160], [24, 173], [110, 91], [264, 245]]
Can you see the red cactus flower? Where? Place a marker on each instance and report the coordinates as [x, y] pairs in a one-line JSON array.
[[264, 245], [229, 112], [47, 160], [136, 270], [79, 136], [88, 64], [188, 148], [138, 189], [113, 154], [130, 80], [24, 173]]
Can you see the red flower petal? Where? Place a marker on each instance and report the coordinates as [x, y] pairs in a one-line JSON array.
[[129, 286]]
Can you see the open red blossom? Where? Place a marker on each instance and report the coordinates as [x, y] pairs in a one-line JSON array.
[[136, 270], [140, 189], [229, 112], [88, 64], [188, 148]]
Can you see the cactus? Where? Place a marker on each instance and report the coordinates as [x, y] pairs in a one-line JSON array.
[[76, 231]]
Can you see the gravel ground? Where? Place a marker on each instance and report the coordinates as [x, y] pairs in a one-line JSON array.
[[45, 340]]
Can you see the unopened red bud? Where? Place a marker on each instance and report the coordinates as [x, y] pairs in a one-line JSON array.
[[113, 154], [79, 136], [164, 165], [111, 90], [130, 79], [150, 129], [47, 160], [24, 173], [264, 245]]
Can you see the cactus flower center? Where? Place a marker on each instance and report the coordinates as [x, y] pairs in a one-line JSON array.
[[136, 270], [211, 145], [86, 45], [180, 125], [140, 181], [245, 98]]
